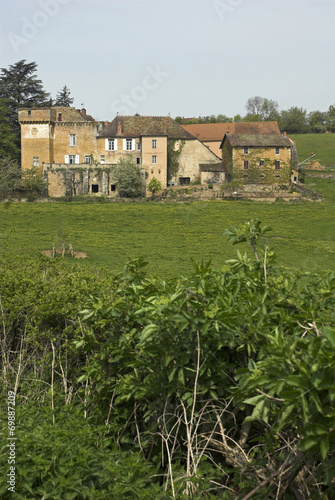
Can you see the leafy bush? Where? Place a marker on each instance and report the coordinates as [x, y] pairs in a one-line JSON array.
[[128, 177], [221, 384]]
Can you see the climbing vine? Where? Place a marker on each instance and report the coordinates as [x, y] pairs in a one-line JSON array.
[[174, 148]]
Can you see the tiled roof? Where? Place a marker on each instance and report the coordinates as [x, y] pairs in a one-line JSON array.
[[215, 131], [135, 126], [153, 129], [70, 114], [256, 140]]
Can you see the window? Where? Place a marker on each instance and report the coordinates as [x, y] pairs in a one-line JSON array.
[[72, 140], [59, 117], [277, 150], [29, 112], [102, 159], [34, 131], [261, 163], [246, 164], [95, 188], [36, 162], [111, 145], [138, 146], [129, 144], [246, 151], [184, 181], [154, 159], [88, 159], [72, 159], [138, 160], [277, 164], [154, 143], [113, 187]]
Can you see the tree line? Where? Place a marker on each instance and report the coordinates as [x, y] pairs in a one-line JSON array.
[[294, 120]]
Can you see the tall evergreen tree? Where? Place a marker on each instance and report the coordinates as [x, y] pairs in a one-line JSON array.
[[21, 88], [20, 85], [63, 97], [7, 135]]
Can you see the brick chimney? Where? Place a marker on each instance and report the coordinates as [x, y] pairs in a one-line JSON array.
[[284, 134], [83, 111], [164, 126], [106, 123]]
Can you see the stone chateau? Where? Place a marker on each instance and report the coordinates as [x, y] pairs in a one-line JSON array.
[[76, 154]]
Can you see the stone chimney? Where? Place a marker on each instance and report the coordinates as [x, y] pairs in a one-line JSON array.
[[83, 111], [119, 128], [164, 127]]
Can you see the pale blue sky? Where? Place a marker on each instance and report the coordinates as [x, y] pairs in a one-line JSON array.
[[185, 58]]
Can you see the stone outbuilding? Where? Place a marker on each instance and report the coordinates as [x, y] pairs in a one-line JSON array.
[[257, 158]]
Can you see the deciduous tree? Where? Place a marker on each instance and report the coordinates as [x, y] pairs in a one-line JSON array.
[[128, 177]]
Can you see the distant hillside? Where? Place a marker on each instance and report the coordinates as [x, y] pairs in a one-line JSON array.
[[323, 145]]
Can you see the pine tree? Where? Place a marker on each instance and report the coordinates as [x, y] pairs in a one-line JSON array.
[[63, 97]]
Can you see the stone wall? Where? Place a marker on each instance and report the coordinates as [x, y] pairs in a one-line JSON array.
[[193, 153], [261, 164]]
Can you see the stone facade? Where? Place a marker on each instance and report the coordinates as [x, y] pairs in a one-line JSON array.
[[193, 154], [211, 134], [76, 154], [260, 159]]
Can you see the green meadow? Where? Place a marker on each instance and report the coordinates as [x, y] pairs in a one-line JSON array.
[[323, 145], [170, 235]]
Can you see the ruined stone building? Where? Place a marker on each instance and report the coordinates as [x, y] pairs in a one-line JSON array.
[[76, 154]]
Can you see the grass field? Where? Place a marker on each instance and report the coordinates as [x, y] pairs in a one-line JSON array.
[[168, 235], [323, 145]]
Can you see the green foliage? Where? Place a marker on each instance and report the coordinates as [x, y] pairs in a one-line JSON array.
[[20, 85], [8, 147], [63, 97], [154, 185], [249, 232], [32, 183], [128, 178], [10, 177], [72, 459], [212, 385], [174, 148], [294, 120]]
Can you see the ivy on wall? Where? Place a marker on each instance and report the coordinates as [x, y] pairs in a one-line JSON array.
[[174, 148]]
